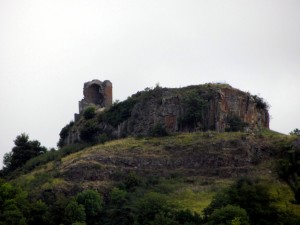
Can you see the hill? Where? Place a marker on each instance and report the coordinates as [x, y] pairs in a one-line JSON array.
[[187, 169], [217, 107]]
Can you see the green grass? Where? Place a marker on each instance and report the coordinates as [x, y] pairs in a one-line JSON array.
[[187, 191]]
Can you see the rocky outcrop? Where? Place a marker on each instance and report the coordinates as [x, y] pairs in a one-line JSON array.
[[194, 108]]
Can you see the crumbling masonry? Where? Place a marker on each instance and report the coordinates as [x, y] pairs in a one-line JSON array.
[[96, 93]]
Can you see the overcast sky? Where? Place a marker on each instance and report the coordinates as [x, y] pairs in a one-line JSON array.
[[49, 48]]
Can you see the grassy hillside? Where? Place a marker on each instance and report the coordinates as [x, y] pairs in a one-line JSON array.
[[188, 167], [167, 175]]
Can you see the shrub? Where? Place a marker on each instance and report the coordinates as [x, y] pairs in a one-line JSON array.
[[89, 112], [158, 131], [227, 214], [64, 133], [151, 205], [253, 196], [102, 138], [119, 112], [92, 202], [88, 131], [132, 181], [117, 196], [235, 123], [195, 106], [260, 102], [295, 132], [74, 213]]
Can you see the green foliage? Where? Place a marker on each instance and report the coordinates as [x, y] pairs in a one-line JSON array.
[[158, 130], [132, 181], [288, 169], [252, 196], [23, 151], [89, 112], [16, 209], [92, 202], [163, 219], [64, 133], [195, 106], [187, 217], [89, 131], [260, 103], [53, 155], [118, 196], [12, 214], [103, 138], [79, 223], [119, 112], [295, 132], [74, 212], [39, 213], [151, 205], [235, 123], [229, 215]]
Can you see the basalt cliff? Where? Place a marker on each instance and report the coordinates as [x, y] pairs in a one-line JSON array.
[[157, 111]]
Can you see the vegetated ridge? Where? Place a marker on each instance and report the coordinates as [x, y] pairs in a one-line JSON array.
[[216, 107]]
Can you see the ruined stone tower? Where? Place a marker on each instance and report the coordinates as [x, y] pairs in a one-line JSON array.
[[96, 93]]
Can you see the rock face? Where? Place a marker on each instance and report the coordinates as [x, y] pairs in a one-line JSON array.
[[194, 108]]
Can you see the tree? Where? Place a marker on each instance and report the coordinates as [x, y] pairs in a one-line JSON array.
[[158, 130], [89, 112], [12, 214], [74, 212], [118, 196], [295, 132], [195, 106], [150, 205], [23, 150], [38, 213], [253, 196], [89, 130], [235, 123], [92, 202], [229, 214], [13, 205]]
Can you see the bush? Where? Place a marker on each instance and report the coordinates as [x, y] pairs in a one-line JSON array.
[[132, 181], [253, 196], [158, 131], [151, 205], [118, 112], [103, 138], [92, 202], [118, 196], [295, 132], [64, 134], [89, 131], [74, 213], [260, 102], [89, 112], [235, 123], [227, 214], [195, 106]]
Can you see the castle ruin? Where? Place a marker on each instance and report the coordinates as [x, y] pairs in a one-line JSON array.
[[96, 93]]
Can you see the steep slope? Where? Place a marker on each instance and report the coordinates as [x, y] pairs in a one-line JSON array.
[[186, 169], [204, 154]]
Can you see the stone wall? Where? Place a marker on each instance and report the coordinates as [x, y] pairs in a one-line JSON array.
[[96, 93]]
